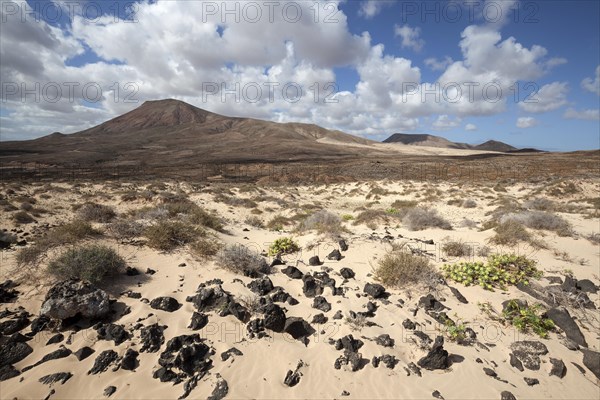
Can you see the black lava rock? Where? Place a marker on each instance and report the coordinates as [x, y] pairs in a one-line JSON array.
[[166, 303]]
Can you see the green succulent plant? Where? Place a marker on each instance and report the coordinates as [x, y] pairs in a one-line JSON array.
[[283, 245]]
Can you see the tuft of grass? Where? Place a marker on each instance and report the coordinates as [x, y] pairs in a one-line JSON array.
[[420, 218], [255, 221], [92, 263], [324, 222], [509, 233], [204, 248], [525, 317], [283, 245], [457, 248], [168, 235], [278, 222], [94, 212], [240, 259], [399, 268], [22, 217], [499, 271]]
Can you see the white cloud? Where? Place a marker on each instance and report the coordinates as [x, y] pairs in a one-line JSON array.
[[438, 65], [526, 122], [371, 8], [470, 127], [592, 85], [550, 97], [410, 37], [445, 122], [590, 115]]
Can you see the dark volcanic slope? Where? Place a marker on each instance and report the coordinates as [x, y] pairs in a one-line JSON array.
[[438, 141], [494, 145], [168, 132]]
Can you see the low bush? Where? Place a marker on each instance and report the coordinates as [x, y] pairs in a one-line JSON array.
[[205, 247], [539, 203], [278, 223], [324, 222], [419, 218], [283, 245], [241, 260], [347, 217], [541, 220], [22, 217], [457, 248], [525, 317], [93, 263], [509, 233], [125, 229], [499, 271], [469, 203], [254, 221], [96, 212], [168, 235], [399, 268]]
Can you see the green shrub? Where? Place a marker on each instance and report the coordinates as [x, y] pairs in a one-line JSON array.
[[241, 260], [93, 263], [399, 268], [456, 332], [168, 235], [347, 217], [283, 245], [499, 271], [96, 212], [524, 317]]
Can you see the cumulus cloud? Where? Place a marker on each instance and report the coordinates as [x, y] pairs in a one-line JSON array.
[[445, 122], [438, 65], [592, 85], [589, 114], [550, 97], [410, 37], [526, 122], [470, 127], [372, 8]]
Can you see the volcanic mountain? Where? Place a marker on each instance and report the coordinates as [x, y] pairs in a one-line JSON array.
[[171, 132], [438, 141]]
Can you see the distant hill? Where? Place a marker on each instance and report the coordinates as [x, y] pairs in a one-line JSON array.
[[438, 141]]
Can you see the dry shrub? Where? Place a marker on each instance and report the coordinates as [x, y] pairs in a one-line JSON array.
[[541, 220], [168, 235], [22, 217], [457, 248], [400, 268], [205, 247], [92, 263], [125, 229], [420, 218], [254, 221], [96, 212], [509, 233], [242, 260], [540, 203], [469, 203], [324, 222]]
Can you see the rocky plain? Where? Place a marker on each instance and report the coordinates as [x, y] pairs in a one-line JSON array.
[[364, 289]]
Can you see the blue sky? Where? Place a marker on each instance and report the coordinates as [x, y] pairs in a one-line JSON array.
[[382, 56]]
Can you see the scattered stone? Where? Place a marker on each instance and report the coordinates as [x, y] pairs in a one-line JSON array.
[[591, 359], [514, 361], [14, 325], [298, 328], [69, 298], [8, 372], [558, 367], [217, 299], [314, 261], [319, 319], [349, 358], [83, 353], [430, 303], [585, 285], [338, 315], [274, 317], [311, 287], [408, 324], [7, 292], [343, 245], [320, 303], [528, 353], [59, 337], [133, 295], [232, 351], [458, 295], [292, 272], [569, 344], [384, 340], [131, 271], [150, 271], [425, 339], [345, 393], [437, 358], [152, 338], [166, 303], [199, 321], [531, 381], [506, 395], [335, 255], [61, 377], [579, 367], [490, 372], [348, 343], [182, 265], [388, 360], [39, 324], [129, 361], [109, 391], [261, 286], [103, 361], [374, 290], [292, 378], [114, 332], [562, 319], [220, 391], [62, 352], [437, 395], [347, 273]]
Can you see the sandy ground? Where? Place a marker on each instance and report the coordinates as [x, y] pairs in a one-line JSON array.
[[260, 372]]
